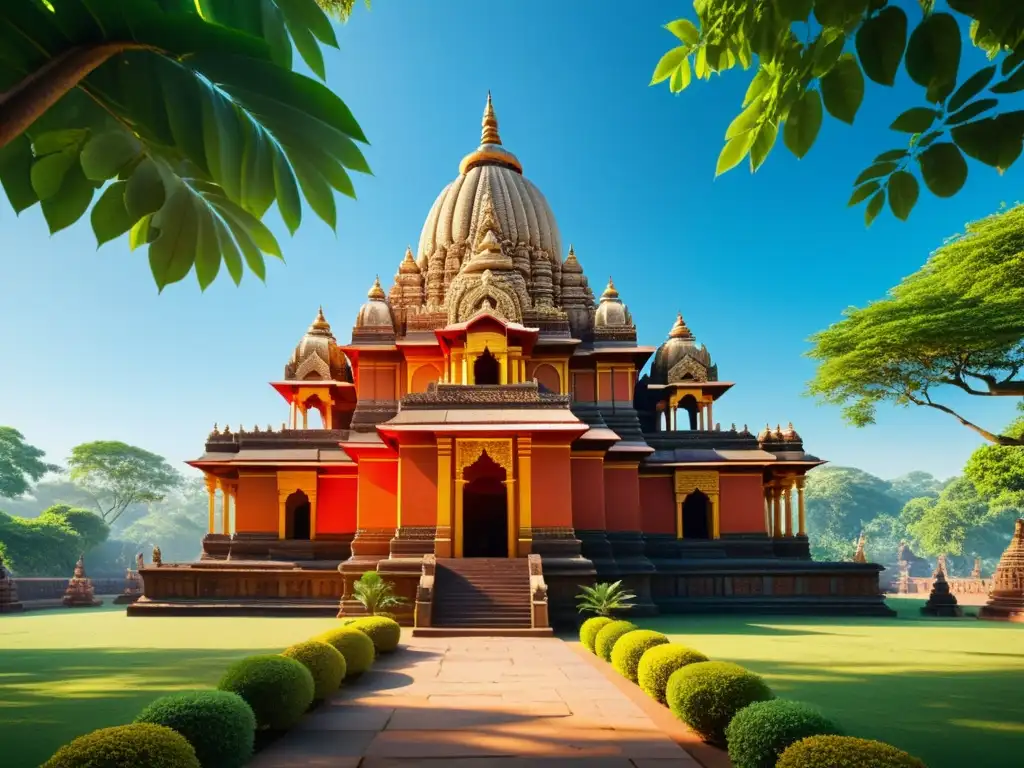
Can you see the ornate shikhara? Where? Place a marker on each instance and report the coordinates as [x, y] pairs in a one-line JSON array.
[[468, 451]]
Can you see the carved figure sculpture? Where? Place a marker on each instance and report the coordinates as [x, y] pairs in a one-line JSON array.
[[79, 593]]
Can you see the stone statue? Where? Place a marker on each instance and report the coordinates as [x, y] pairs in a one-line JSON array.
[[79, 593], [860, 556], [140, 562], [157, 561], [976, 571]]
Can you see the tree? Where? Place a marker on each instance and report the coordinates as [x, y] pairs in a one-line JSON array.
[[916, 484], [997, 471], [957, 322], [38, 547], [840, 501], [89, 526], [811, 58], [176, 523], [118, 475], [183, 115], [20, 463]]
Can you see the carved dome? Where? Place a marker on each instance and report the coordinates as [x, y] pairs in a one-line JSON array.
[[611, 312], [375, 313], [318, 356], [679, 358]]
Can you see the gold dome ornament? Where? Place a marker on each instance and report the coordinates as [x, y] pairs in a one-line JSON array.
[[679, 329], [408, 265], [489, 134], [375, 313], [610, 291], [490, 149], [376, 292]]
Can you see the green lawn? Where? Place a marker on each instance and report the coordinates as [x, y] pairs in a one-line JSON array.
[[64, 672], [950, 691]]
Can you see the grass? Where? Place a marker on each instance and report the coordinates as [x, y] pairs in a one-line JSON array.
[[64, 673], [950, 691]]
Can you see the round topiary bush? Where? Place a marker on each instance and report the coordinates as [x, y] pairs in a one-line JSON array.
[[219, 725], [324, 662], [759, 733], [707, 694], [608, 635], [355, 646], [278, 689], [385, 633], [127, 746], [845, 752], [589, 630], [657, 665], [630, 648]]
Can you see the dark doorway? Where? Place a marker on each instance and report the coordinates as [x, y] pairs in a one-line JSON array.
[[486, 369], [484, 519], [697, 516], [688, 411], [297, 514]]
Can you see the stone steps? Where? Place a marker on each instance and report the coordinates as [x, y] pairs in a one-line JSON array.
[[482, 594]]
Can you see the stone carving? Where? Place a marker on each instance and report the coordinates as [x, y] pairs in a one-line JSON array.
[[1006, 601], [688, 482], [317, 355], [157, 561], [507, 394], [467, 452], [860, 556], [79, 593], [132, 586]]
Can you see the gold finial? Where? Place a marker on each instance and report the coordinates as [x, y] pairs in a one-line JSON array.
[[489, 135], [679, 330], [216, 431], [376, 292], [408, 265], [611, 292], [321, 322], [572, 253]]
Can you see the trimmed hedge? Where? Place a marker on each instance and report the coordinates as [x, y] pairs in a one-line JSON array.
[[355, 646], [658, 663], [140, 745], [324, 662], [278, 689], [609, 635], [845, 752], [385, 633], [219, 725], [631, 647], [589, 630], [759, 733], [707, 695]]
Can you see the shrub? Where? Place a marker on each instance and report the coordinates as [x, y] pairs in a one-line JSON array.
[[374, 593], [658, 663], [127, 746], [356, 647], [707, 694], [324, 662], [278, 689], [604, 598], [608, 635], [845, 752], [385, 633], [630, 648], [759, 733], [589, 630], [219, 725]]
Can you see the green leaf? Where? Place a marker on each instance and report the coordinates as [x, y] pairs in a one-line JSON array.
[[863, 192], [142, 233], [110, 218], [316, 191], [16, 173], [680, 78], [700, 64], [207, 256], [924, 141], [229, 250], [288, 201], [746, 120], [308, 14], [757, 86], [308, 48], [144, 192], [874, 207], [875, 171], [764, 140], [1012, 61], [668, 64], [943, 168], [224, 140], [276, 33], [107, 154], [253, 257], [826, 51], [794, 10], [972, 87], [256, 229], [892, 154], [258, 189], [972, 110], [915, 120], [70, 203], [880, 44], [172, 254], [801, 128], [685, 30], [842, 89], [58, 141], [1012, 84], [48, 172], [903, 192], [933, 55], [995, 141], [733, 152]]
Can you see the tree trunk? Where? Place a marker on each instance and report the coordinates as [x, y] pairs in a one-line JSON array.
[[25, 102], [992, 437]]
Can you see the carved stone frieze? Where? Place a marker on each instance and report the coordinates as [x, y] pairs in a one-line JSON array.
[[688, 482], [467, 452]]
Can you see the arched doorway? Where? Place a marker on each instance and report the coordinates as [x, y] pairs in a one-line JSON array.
[[484, 510], [297, 517], [486, 369], [697, 516], [688, 405]]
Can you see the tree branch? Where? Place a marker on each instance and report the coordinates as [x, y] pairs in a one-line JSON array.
[[990, 436]]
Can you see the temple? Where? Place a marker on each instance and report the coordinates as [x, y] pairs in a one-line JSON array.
[[487, 408]]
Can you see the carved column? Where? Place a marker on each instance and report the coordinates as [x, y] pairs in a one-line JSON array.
[[711, 417], [525, 451], [211, 489], [443, 537], [460, 486], [777, 507], [224, 501], [787, 492], [714, 515], [510, 511], [801, 512], [768, 509], [503, 369], [465, 368], [700, 418], [679, 518]]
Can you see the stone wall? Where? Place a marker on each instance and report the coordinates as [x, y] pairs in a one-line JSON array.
[[53, 589]]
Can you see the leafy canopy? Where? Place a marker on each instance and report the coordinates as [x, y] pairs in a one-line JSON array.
[[815, 57], [957, 322], [180, 122], [603, 598], [997, 471], [20, 463]]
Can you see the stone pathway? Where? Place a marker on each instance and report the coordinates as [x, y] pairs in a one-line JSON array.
[[479, 702]]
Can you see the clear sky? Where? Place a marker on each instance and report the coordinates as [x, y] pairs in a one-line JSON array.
[[89, 350]]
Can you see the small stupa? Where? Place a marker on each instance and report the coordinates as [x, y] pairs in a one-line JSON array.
[[132, 584], [1006, 600], [79, 593], [9, 602], [941, 602]]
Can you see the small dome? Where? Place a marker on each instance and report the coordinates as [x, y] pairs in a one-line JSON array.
[[679, 358], [375, 313], [765, 435], [611, 312], [790, 435], [318, 356]]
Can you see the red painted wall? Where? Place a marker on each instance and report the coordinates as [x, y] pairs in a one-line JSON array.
[[378, 494], [657, 505], [547, 375], [384, 384], [588, 493], [552, 486], [336, 503], [621, 384], [256, 508], [742, 504], [419, 485], [583, 387], [604, 387], [621, 498]]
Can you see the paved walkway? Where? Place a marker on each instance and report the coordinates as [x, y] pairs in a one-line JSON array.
[[479, 702]]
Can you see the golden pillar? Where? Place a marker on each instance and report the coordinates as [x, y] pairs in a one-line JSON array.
[[211, 489], [714, 515], [465, 368], [787, 492], [305, 417], [503, 369], [679, 518], [525, 451], [510, 511], [768, 509], [443, 538], [711, 415], [801, 512], [522, 363], [460, 487], [777, 507], [225, 499]]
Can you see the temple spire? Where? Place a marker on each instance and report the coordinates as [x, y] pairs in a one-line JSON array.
[[320, 322], [680, 329], [489, 135], [376, 291], [610, 292]]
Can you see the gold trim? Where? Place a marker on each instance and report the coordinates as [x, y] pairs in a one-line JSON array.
[[469, 450], [705, 482]]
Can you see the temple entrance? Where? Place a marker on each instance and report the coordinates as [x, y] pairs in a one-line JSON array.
[[484, 510], [486, 369], [697, 516], [297, 517]]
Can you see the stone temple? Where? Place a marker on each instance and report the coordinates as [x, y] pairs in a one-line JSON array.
[[486, 441]]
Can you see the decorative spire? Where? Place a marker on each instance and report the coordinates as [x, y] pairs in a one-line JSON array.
[[408, 264], [376, 293], [320, 323], [488, 225], [611, 293], [489, 135], [680, 329]]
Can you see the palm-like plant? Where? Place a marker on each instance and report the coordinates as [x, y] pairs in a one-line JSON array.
[[604, 598], [183, 115], [375, 594]]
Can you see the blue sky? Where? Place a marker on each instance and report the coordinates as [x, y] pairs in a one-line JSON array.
[[89, 350]]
